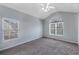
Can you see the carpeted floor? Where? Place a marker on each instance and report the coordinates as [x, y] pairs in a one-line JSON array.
[[43, 46]]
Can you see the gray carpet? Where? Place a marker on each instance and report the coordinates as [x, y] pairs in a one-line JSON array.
[[43, 46]]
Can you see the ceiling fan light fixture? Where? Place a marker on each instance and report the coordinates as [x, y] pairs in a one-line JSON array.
[[46, 7]]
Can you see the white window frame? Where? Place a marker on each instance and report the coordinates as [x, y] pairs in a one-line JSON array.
[[55, 29], [3, 18], [50, 29]]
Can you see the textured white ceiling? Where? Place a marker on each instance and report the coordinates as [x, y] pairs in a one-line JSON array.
[[34, 9]]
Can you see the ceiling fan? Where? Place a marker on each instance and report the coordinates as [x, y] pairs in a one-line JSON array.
[[46, 7]]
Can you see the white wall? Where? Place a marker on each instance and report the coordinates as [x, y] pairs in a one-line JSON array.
[[0, 32], [70, 26], [30, 27], [78, 28]]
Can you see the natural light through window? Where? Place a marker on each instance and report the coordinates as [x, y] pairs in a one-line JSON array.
[[56, 28], [10, 28]]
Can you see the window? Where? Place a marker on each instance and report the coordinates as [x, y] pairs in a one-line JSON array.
[[56, 28], [10, 28]]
